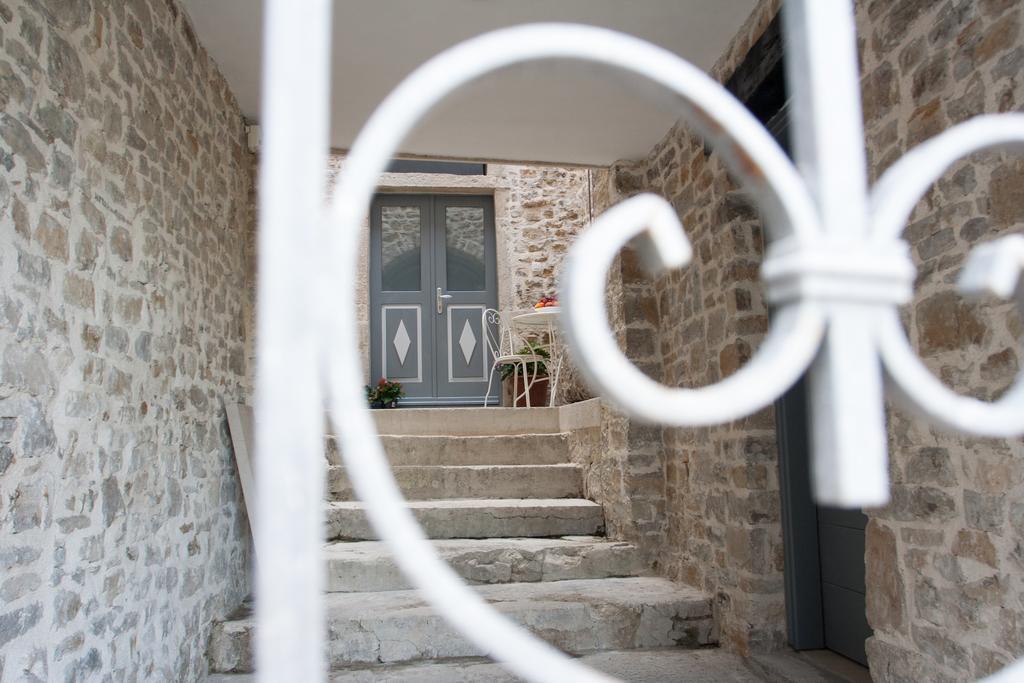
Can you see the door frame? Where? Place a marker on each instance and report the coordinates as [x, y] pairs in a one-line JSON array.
[[805, 621], [431, 260]]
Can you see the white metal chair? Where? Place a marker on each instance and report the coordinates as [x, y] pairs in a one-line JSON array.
[[504, 344]]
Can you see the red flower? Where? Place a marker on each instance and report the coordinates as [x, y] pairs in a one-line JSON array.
[[382, 382]]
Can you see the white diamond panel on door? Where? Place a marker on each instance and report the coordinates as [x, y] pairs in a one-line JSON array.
[[467, 361], [401, 343], [467, 342]]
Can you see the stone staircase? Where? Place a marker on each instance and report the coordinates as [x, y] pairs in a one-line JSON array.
[[504, 503]]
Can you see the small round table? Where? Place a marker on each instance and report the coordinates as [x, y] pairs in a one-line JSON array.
[[540, 325]]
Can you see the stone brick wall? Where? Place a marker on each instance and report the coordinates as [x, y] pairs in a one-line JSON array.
[[714, 491], [721, 484], [692, 328], [944, 559], [544, 207], [126, 216], [541, 211], [624, 464]]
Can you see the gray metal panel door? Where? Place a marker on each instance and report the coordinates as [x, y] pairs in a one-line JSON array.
[[824, 548], [433, 270], [401, 322], [464, 267], [841, 545]]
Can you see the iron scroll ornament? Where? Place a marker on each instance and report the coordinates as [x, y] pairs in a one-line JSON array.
[[755, 160], [800, 274]]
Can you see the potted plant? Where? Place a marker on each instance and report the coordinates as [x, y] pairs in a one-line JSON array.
[[384, 394], [535, 371]]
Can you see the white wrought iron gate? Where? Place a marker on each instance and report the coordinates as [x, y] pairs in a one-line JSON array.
[[836, 269]]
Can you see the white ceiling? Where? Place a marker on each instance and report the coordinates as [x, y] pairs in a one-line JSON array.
[[572, 114]]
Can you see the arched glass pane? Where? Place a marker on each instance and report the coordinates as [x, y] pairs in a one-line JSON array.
[[400, 248], [464, 248]]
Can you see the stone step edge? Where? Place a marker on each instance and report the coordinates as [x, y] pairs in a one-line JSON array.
[[469, 420], [512, 466], [649, 664], [568, 540], [655, 613], [469, 450], [538, 592], [557, 434], [471, 482], [368, 566], [476, 503], [652, 664], [477, 518]]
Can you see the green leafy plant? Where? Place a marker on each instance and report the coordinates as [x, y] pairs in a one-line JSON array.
[[534, 368], [384, 392]]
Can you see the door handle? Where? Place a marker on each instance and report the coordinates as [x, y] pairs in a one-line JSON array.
[[440, 300]]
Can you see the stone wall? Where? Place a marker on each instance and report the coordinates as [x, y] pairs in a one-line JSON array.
[[542, 210], [544, 207], [721, 483], [944, 560], [623, 463], [716, 488], [126, 216]]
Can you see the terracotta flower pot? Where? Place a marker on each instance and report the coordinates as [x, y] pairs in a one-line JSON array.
[[538, 393]]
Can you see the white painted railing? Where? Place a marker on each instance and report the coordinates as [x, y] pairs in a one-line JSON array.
[[836, 269], [289, 398]]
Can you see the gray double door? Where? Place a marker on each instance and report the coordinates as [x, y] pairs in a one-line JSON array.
[[432, 275]]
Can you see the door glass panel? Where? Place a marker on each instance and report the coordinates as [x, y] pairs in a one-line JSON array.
[[400, 248], [464, 248]]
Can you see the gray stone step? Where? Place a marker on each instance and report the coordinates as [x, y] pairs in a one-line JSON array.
[[467, 421], [433, 482], [521, 449], [576, 616], [368, 565], [465, 518], [665, 665]]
